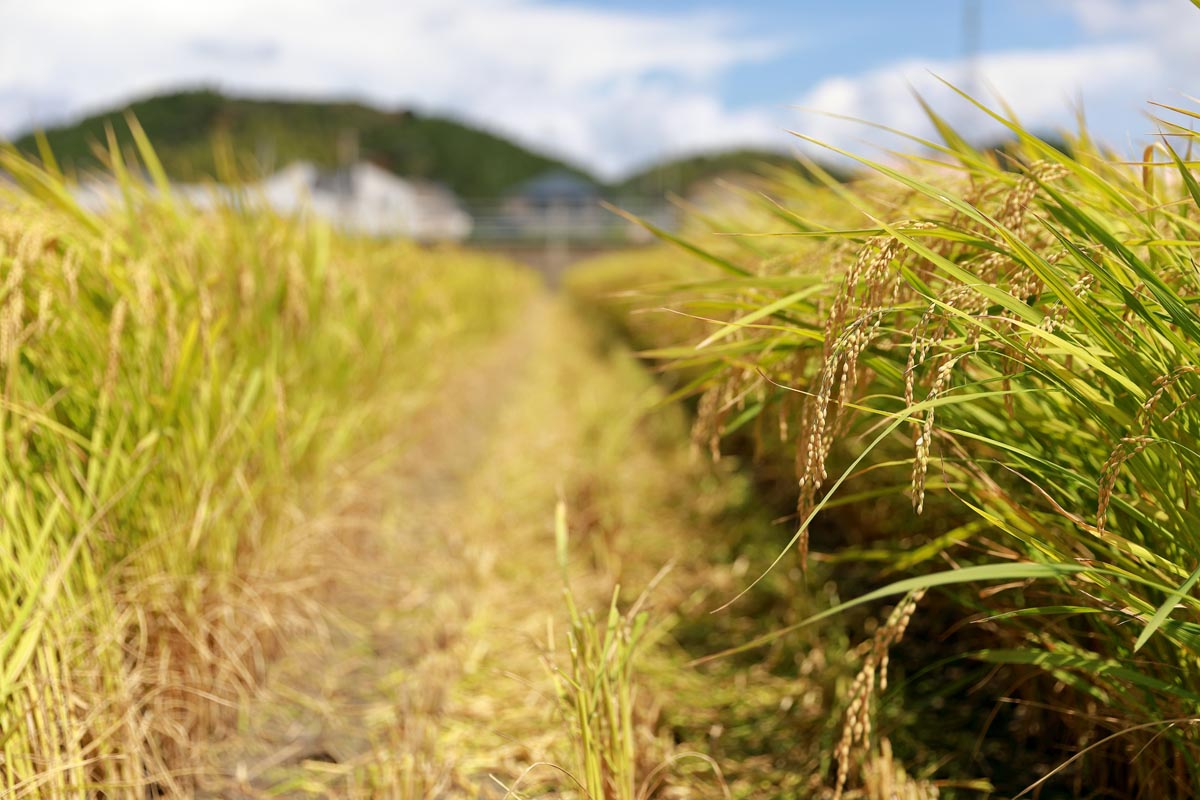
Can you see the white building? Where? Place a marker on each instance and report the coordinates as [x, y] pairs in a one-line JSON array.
[[361, 198], [364, 198]]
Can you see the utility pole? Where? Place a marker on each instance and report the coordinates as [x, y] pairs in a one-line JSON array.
[[972, 30], [264, 151], [558, 236], [347, 147]]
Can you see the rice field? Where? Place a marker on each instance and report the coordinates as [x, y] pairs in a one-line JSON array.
[[178, 391], [979, 367], [883, 491]]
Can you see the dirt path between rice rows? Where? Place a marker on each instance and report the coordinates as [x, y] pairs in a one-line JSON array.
[[427, 678]]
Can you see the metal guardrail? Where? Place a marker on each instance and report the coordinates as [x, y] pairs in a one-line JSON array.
[[491, 221], [503, 223]]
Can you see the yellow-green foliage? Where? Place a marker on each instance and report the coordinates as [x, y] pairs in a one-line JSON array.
[[1018, 334], [174, 388]]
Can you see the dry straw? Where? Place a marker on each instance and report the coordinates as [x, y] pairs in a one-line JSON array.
[[1036, 332], [154, 474]]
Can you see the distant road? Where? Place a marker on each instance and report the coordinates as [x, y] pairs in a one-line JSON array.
[[552, 261]]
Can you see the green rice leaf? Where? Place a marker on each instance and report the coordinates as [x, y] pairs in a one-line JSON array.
[[1165, 609]]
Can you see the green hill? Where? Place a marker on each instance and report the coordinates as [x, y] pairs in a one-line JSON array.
[[681, 175], [269, 134], [273, 133]]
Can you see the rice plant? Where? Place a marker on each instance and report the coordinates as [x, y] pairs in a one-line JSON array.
[[1009, 335], [175, 387], [597, 691]]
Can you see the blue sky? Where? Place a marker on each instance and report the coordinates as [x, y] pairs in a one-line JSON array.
[[615, 85], [857, 36]]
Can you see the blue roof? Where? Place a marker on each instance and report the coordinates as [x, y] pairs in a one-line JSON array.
[[557, 185]]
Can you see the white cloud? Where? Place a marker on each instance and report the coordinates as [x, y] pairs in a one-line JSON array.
[[1168, 21], [610, 89], [1140, 50], [1170, 29], [606, 88], [1042, 87]]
